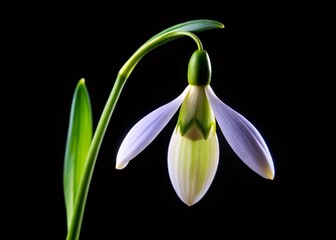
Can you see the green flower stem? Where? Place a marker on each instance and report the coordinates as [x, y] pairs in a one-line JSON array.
[[154, 43], [125, 71]]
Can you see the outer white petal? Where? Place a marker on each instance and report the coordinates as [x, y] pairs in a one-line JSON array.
[[242, 136], [146, 130], [192, 165]]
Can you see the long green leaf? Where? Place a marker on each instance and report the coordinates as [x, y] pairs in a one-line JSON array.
[[77, 145]]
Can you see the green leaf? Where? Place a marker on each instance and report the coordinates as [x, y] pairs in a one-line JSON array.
[[192, 26], [77, 145]]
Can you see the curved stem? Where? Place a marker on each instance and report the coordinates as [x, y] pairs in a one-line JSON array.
[[125, 71], [154, 43]]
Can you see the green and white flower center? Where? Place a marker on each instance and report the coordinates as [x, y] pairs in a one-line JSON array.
[[196, 117]]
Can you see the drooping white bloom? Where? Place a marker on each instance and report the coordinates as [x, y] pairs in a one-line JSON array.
[[193, 151]]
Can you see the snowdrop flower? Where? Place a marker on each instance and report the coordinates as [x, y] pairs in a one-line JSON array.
[[193, 151]]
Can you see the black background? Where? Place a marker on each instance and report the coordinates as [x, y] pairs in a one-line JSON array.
[[276, 67]]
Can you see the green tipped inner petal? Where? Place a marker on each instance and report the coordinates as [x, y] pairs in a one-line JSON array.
[[196, 111]]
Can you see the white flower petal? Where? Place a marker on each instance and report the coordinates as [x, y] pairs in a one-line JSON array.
[[146, 130], [192, 165], [242, 136]]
